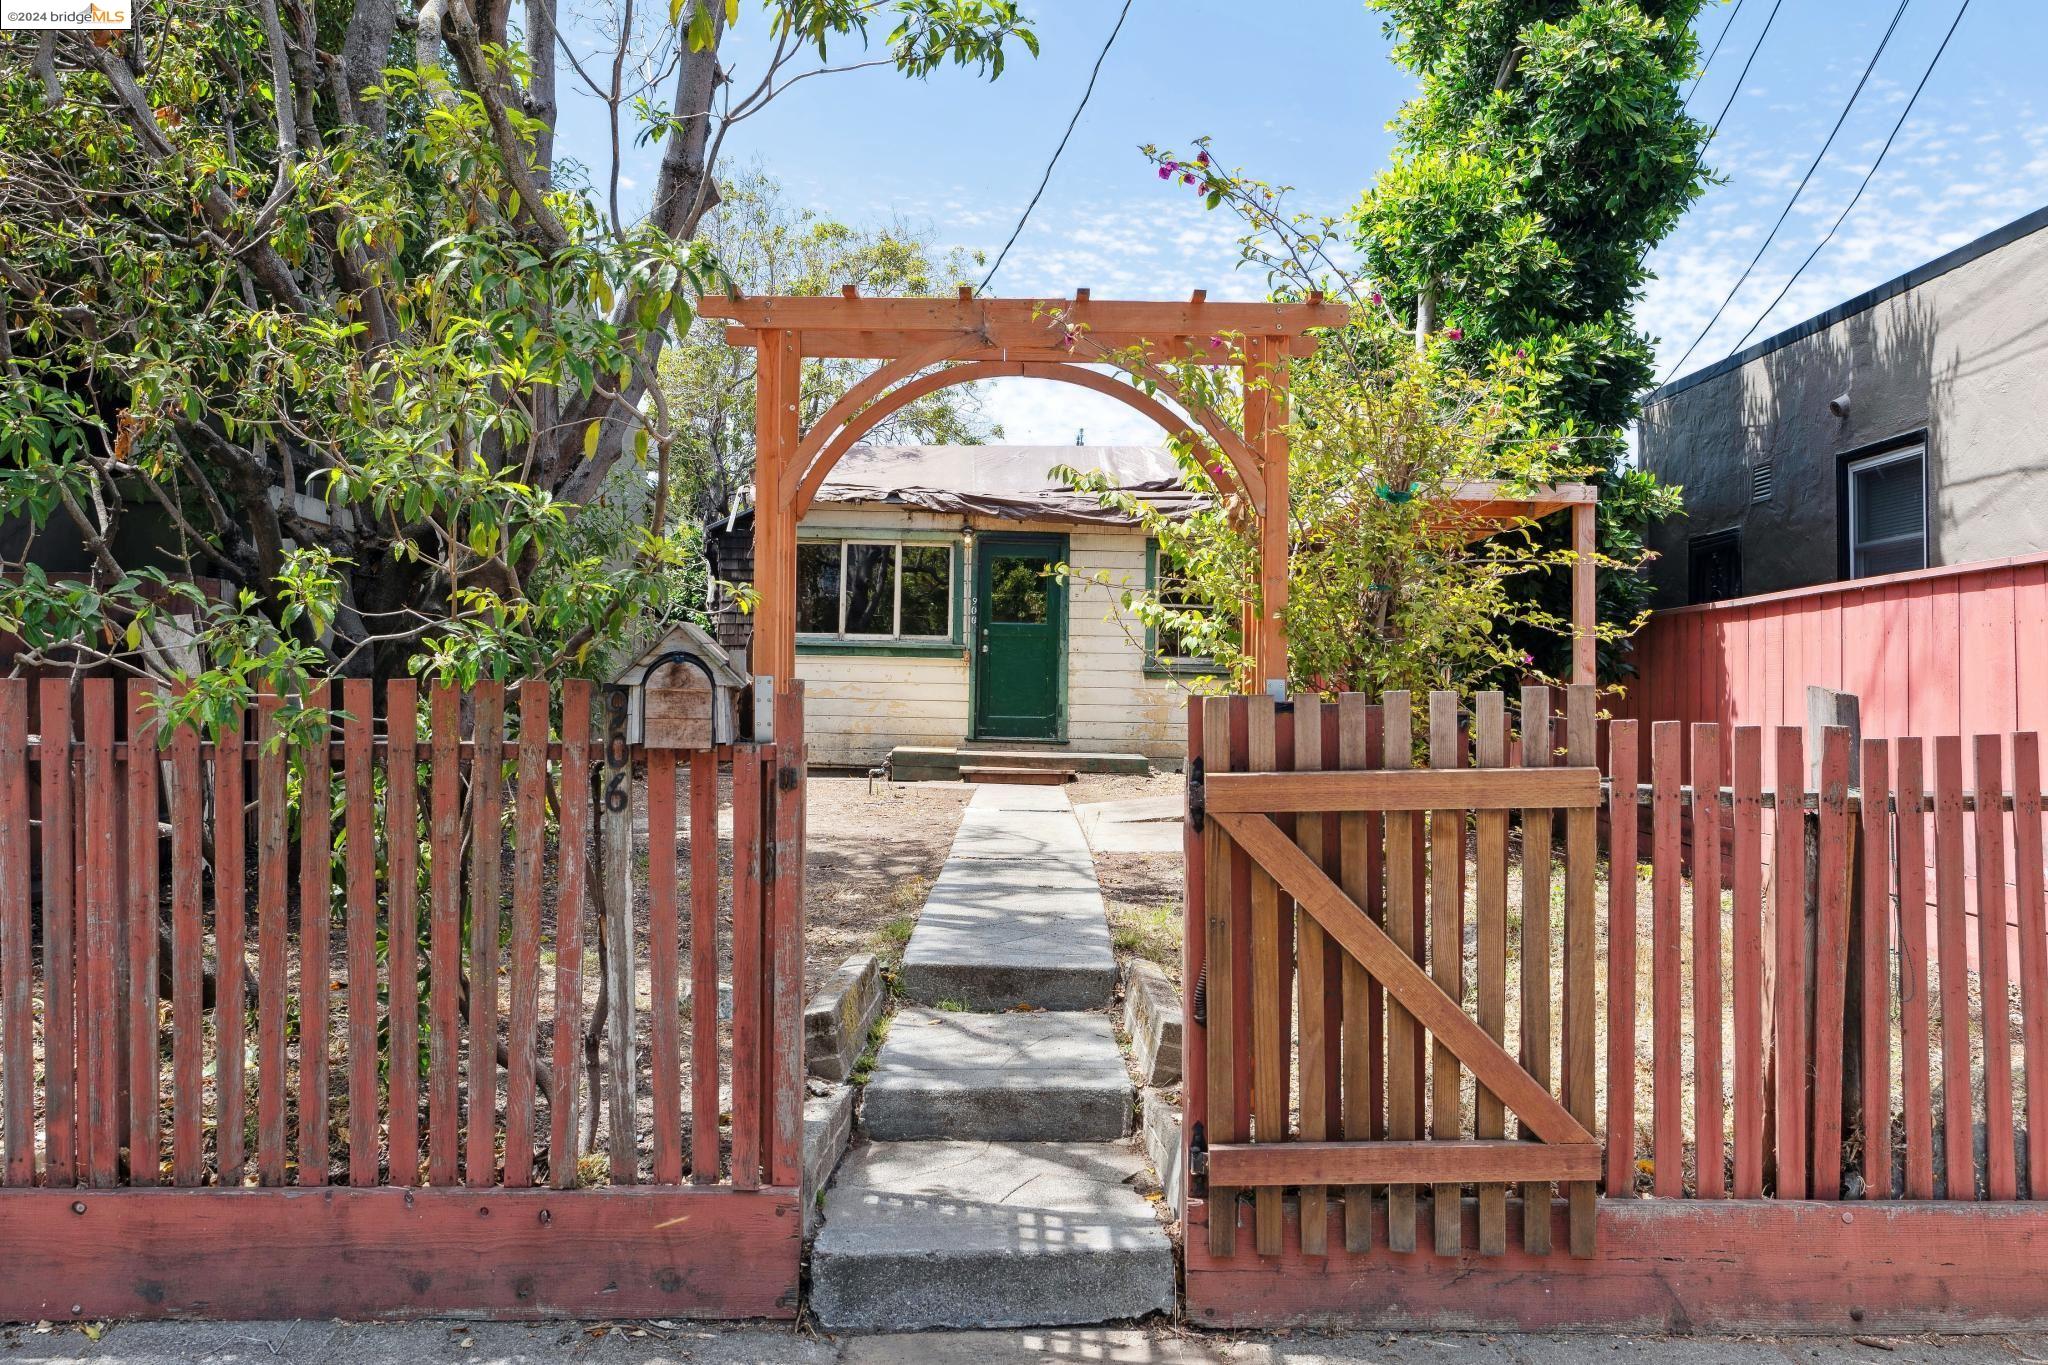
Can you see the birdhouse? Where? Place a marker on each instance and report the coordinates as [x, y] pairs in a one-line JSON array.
[[682, 692]]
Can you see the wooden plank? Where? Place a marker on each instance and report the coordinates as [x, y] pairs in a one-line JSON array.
[[273, 939], [360, 847], [522, 1047], [63, 1005], [1535, 1035], [1994, 976], [1681, 1266], [1667, 1024], [402, 853], [572, 880], [1581, 927], [444, 941], [364, 1254], [230, 931], [187, 801], [1446, 957], [316, 844], [1441, 1163], [145, 1068], [1916, 1083], [615, 882], [2031, 892], [17, 935], [1419, 790], [1790, 978], [1218, 985], [1194, 1095], [1490, 752], [1314, 966], [1831, 963], [747, 967], [1404, 1038], [98, 830], [1404, 979], [1622, 742], [1952, 929], [1270, 1033], [664, 967], [785, 1119], [1874, 843], [704, 908], [1241, 942], [1361, 1062], [486, 919], [1747, 971], [1708, 1106]]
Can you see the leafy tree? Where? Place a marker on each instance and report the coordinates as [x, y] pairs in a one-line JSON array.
[[1548, 151], [767, 247], [305, 301]]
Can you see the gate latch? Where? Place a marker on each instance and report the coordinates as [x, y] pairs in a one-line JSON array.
[[1198, 1162], [1197, 801]]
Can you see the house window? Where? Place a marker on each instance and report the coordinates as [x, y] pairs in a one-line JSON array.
[[1888, 513], [1714, 567], [875, 589], [1167, 646]]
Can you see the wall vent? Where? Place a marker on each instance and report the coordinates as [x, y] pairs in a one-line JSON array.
[[1763, 480]]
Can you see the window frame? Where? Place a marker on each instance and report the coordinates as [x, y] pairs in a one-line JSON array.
[[895, 641], [1914, 449], [1158, 665]]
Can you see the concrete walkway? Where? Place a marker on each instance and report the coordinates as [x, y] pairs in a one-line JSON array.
[[445, 1343], [996, 1188]]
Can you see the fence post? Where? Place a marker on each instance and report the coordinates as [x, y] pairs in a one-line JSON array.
[[1827, 708], [616, 862]]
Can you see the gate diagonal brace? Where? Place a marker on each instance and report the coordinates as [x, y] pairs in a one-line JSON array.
[[1404, 979]]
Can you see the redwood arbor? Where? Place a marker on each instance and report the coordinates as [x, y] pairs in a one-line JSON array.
[[932, 343]]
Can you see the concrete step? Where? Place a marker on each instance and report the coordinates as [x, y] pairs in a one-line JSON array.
[[1004, 926], [1018, 777], [984, 1234], [919, 763], [1006, 1077]]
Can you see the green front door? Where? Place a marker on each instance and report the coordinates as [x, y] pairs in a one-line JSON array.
[[1020, 612]]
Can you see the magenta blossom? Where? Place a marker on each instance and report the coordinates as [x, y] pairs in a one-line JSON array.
[[1170, 166], [1376, 297], [1215, 343], [1521, 354], [1166, 173], [1203, 158], [1456, 333], [1187, 178]]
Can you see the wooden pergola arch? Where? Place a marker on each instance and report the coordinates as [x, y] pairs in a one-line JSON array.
[[927, 344]]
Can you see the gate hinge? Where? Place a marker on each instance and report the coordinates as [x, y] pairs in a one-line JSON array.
[[1198, 1162], [786, 777], [1202, 997], [1197, 802]]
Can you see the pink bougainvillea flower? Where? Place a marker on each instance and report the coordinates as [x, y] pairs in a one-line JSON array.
[[1203, 158], [1170, 167], [1521, 354], [1376, 297], [1215, 343], [1067, 339], [1456, 333], [1187, 178], [1166, 172]]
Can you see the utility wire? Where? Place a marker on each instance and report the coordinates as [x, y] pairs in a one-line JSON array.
[[1786, 212], [1903, 115], [1046, 179], [1708, 64]]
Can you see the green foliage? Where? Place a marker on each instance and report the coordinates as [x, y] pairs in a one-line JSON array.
[[1548, 151]]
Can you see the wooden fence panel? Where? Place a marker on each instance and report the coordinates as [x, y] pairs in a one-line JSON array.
[[17, 964], [63, 1039]]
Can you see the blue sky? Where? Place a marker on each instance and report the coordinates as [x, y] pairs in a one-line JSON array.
[[1300, 91]]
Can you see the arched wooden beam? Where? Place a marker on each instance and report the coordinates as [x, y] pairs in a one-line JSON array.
[[861, 394], [1243, 463]]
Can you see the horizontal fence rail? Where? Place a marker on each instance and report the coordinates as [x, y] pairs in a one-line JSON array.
[[1748, 992], [386, 937]]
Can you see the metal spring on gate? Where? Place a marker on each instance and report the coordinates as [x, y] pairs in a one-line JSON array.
[[1202, 997]]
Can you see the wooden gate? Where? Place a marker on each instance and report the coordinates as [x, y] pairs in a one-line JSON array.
[[1337, 1017], [298, 1019]]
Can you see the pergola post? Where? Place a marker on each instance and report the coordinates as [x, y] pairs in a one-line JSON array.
[[1266, 416], [1585, 600], [778, 374]]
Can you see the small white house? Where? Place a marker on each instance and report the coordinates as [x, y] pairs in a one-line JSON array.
[[931, 612]]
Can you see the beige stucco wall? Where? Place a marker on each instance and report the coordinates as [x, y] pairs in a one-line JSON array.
[[1962, 355], [860, 706]]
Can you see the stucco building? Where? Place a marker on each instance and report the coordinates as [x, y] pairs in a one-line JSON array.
[[1904, 429]]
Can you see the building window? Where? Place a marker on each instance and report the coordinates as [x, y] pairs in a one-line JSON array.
[[1168, 647], [1888, 513], [1714, 567], [875, 589]]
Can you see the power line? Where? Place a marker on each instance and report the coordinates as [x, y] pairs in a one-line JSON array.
[[1708, 64], [1903, 115], [1786, 212], [1740, 77], [1046, 179]]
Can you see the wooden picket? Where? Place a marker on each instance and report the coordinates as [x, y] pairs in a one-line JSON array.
[[365, 1031]]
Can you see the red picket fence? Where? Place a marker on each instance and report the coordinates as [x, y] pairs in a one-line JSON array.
[[1814, 1112], [295, 1020]]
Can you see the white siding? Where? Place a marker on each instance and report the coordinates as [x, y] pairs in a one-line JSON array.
[[860, 706]]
